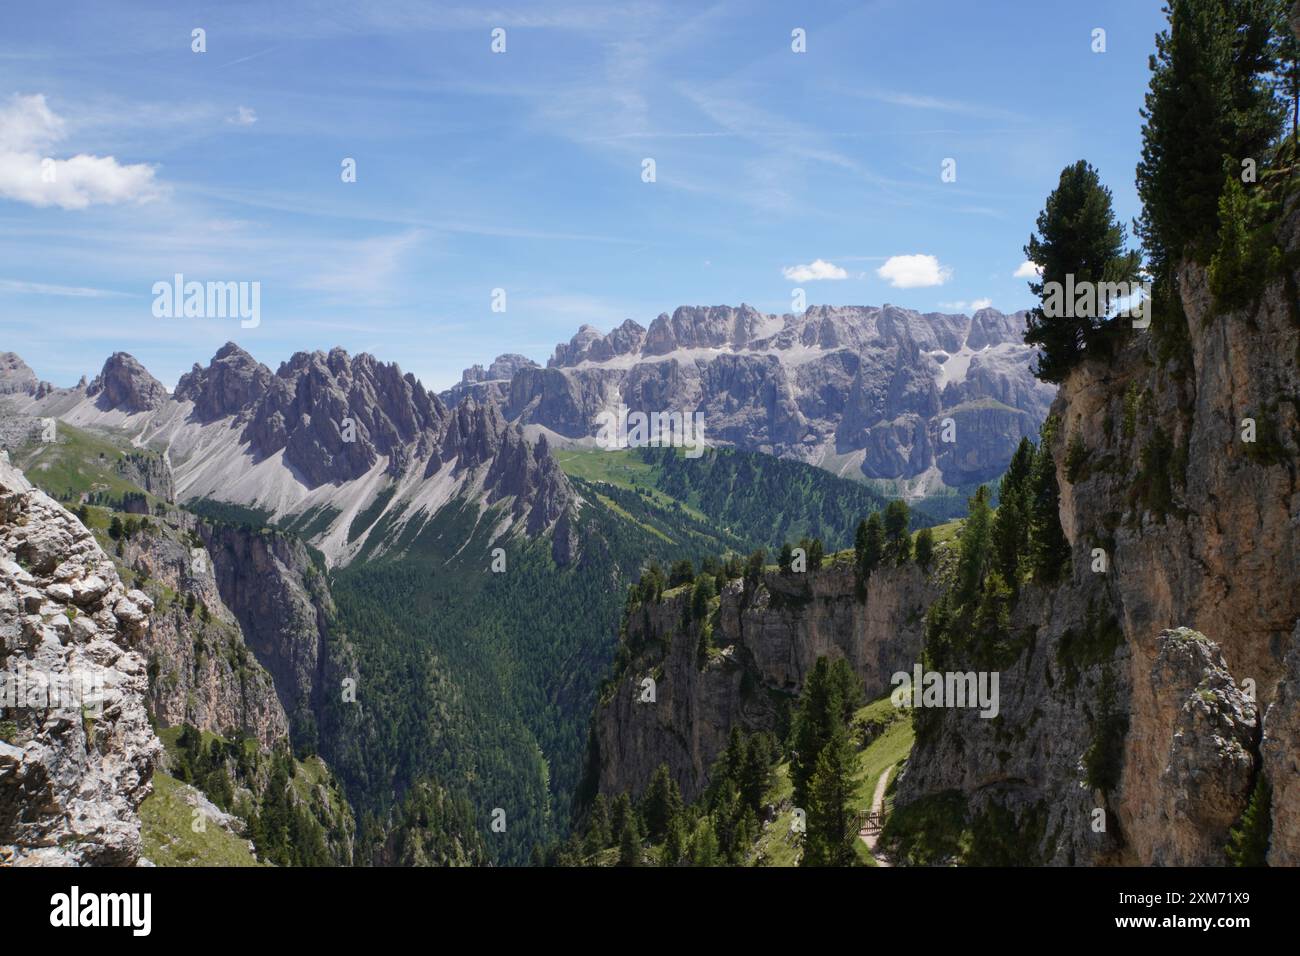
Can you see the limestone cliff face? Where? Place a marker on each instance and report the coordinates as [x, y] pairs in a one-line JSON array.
[[72, 776], [283, 605], [1198, 525], [768, 645], [200, 668], [281, 602]]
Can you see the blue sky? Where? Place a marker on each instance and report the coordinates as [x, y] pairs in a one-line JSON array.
[[523, 170]]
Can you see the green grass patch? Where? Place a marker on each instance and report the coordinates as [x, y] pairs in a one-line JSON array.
[[168, 835]]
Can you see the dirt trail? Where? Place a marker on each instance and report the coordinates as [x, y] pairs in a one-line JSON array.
[[877, 802]]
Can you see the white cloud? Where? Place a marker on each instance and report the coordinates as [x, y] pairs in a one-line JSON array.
[[1027, 270], [981, 304], [27, 129], [815, 270], [914, 272], [245, 116]]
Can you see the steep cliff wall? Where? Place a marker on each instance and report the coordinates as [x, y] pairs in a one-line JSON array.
[[764, 647], [200, 668], [283, 605], [72, 776], [1198, 525]]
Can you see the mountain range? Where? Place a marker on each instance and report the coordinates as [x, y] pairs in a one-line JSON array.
[[356, 450]]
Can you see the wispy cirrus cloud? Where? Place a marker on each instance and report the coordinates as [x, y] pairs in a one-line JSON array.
[[41, 288], [921, 101]]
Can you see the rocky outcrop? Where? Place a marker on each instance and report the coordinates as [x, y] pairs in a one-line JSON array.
[[125, 385], [149, 470], [768, 644], [17, 378], [73, 771], [487, 385], [232, 382], [477, 435], [1205, 734], [588, 345]]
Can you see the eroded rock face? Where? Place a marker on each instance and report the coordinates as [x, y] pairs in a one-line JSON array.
[[769, 645], [1211, 731], [203, 673], [1281, 757], [126, 385], [71, 777], [282, 605]]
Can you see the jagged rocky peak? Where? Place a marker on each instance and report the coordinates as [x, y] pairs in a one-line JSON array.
[[531, 475], [590, 346], [72, 776], [126, 385], [502, 369], [713, 326], [474, 434], [335, 416], [990, 327], [232, 382], [16, 376]]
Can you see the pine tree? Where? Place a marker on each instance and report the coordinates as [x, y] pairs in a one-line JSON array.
[[1049, 551], [1209, 98], [757, 771], [830, 696], [754, 571], [661, 804], [701, 595], [674, 842], [973, 554], [786, 558], [1078, 241], [704, 844], [598, 828], [872, 537], [1011, 523], [830, 835], [629, 842], [619, 812], [898, 541], [683, 572], [924, 548], [1248, 840], [816, 554]]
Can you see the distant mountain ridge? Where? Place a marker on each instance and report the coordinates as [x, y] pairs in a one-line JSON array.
[[862, 391]]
